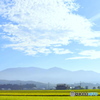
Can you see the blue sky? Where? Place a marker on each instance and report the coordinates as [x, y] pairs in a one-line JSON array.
[[50, 33]]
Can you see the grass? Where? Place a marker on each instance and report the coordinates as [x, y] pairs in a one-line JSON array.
[[42, 95], [41, 92], [47, 98]]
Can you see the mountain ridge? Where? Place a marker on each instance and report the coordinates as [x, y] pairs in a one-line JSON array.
[[52, 75]]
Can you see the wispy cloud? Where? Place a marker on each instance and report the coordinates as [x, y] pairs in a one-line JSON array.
[[73, 58], [87, 54], [38, 26], [96, 17], [61, 51]]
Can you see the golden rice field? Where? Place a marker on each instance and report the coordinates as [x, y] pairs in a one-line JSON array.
[[45, 95], [47, 98]]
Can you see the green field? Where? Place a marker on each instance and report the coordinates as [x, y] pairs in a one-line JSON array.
[[45, 95]]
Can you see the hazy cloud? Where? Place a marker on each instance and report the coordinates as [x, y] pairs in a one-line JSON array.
[[87, 54], [61, 51], [38, 26], [96, 17]]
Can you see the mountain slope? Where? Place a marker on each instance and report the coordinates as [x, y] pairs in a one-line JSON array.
[[52, 75]]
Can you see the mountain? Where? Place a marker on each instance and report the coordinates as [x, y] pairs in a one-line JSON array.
[[52, 75]]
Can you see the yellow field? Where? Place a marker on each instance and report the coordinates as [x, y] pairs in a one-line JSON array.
[[42, 92], [33, 92], [48, 98], [45, 95]]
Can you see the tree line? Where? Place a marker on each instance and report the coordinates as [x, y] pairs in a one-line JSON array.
[[17, 86]]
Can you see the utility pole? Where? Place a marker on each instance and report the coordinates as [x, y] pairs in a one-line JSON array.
[[80, 84], [48, 85]]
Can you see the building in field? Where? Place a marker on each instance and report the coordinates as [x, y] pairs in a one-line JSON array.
[[61, 87]]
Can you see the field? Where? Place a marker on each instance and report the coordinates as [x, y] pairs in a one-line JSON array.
[[45, 95], [47, 98]]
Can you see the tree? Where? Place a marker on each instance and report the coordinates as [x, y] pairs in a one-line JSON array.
[[94, 87], [86, 87], [98, 87]]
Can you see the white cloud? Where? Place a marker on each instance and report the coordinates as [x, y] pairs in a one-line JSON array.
[[61, 51], [92, 54], [96, 17], [38, 26], [72, 58], [87, 54], [91, 42]]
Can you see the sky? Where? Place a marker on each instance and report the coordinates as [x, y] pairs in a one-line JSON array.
[[50, 33]]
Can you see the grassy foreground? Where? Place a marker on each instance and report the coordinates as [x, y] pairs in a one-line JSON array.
[[42, 92], [48, 98], [45, 95]]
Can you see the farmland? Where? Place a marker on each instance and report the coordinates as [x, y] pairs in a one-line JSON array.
[[45, 95], [42, 92], [47, 98]]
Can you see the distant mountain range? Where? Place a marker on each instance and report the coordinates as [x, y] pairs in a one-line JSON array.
[[52, 75]]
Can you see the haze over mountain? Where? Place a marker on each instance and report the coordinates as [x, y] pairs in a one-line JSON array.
[[52, 75]]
